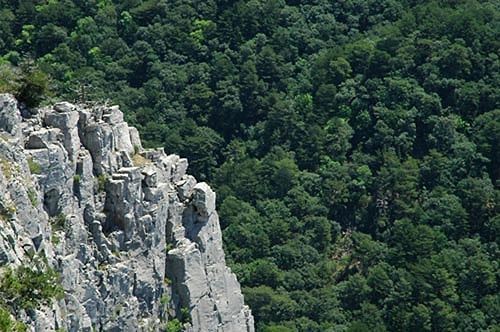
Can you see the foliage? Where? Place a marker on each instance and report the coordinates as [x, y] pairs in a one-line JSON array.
[[6, 168], [34, 86], [9, 82], [28, 288], [185, 316], [34, 167], [174, 325], [32, 197], [27, 82], [58, 222], [8, 324], [102, 180]]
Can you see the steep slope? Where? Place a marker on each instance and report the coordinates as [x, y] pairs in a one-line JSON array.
[[136, 241]]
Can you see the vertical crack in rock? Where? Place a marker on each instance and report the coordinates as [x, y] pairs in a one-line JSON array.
[[135, 239]]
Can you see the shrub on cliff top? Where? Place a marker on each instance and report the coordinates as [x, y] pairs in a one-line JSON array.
[[27, 82]]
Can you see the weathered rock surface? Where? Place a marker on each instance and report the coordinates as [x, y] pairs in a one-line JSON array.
[[135, 239]]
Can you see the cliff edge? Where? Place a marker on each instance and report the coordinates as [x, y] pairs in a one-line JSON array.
[[134, 240]]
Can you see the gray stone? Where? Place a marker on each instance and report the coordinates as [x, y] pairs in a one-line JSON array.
[[135, 139], [112, 115], [180, 169], [63, 107], [37, 142], [155, 155], [86, 118], [64, 120], [114, 231], [126, 160], [150, 173], [10, 116], [67, 122], [83, 180], [40, 139], [185, 187], [203, 199], [122, 138], [98, 139]]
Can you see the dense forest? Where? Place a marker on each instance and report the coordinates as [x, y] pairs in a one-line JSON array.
[[354, 145]]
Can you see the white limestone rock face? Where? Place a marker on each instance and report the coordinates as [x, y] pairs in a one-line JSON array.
[[66, 120], [135, 139], [10, 116], [201, 280], [133, 244]]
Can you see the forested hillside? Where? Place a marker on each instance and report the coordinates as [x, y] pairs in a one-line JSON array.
[[354, 145]]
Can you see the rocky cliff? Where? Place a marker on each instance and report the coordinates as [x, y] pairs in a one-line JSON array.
[[135, 240]]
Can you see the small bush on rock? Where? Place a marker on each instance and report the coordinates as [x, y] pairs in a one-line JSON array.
[[29, 288]]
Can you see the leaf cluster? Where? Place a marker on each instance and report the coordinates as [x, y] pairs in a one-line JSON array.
[[28, 288]]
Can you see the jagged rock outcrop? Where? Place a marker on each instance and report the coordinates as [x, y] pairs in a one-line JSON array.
[[135, 239]]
